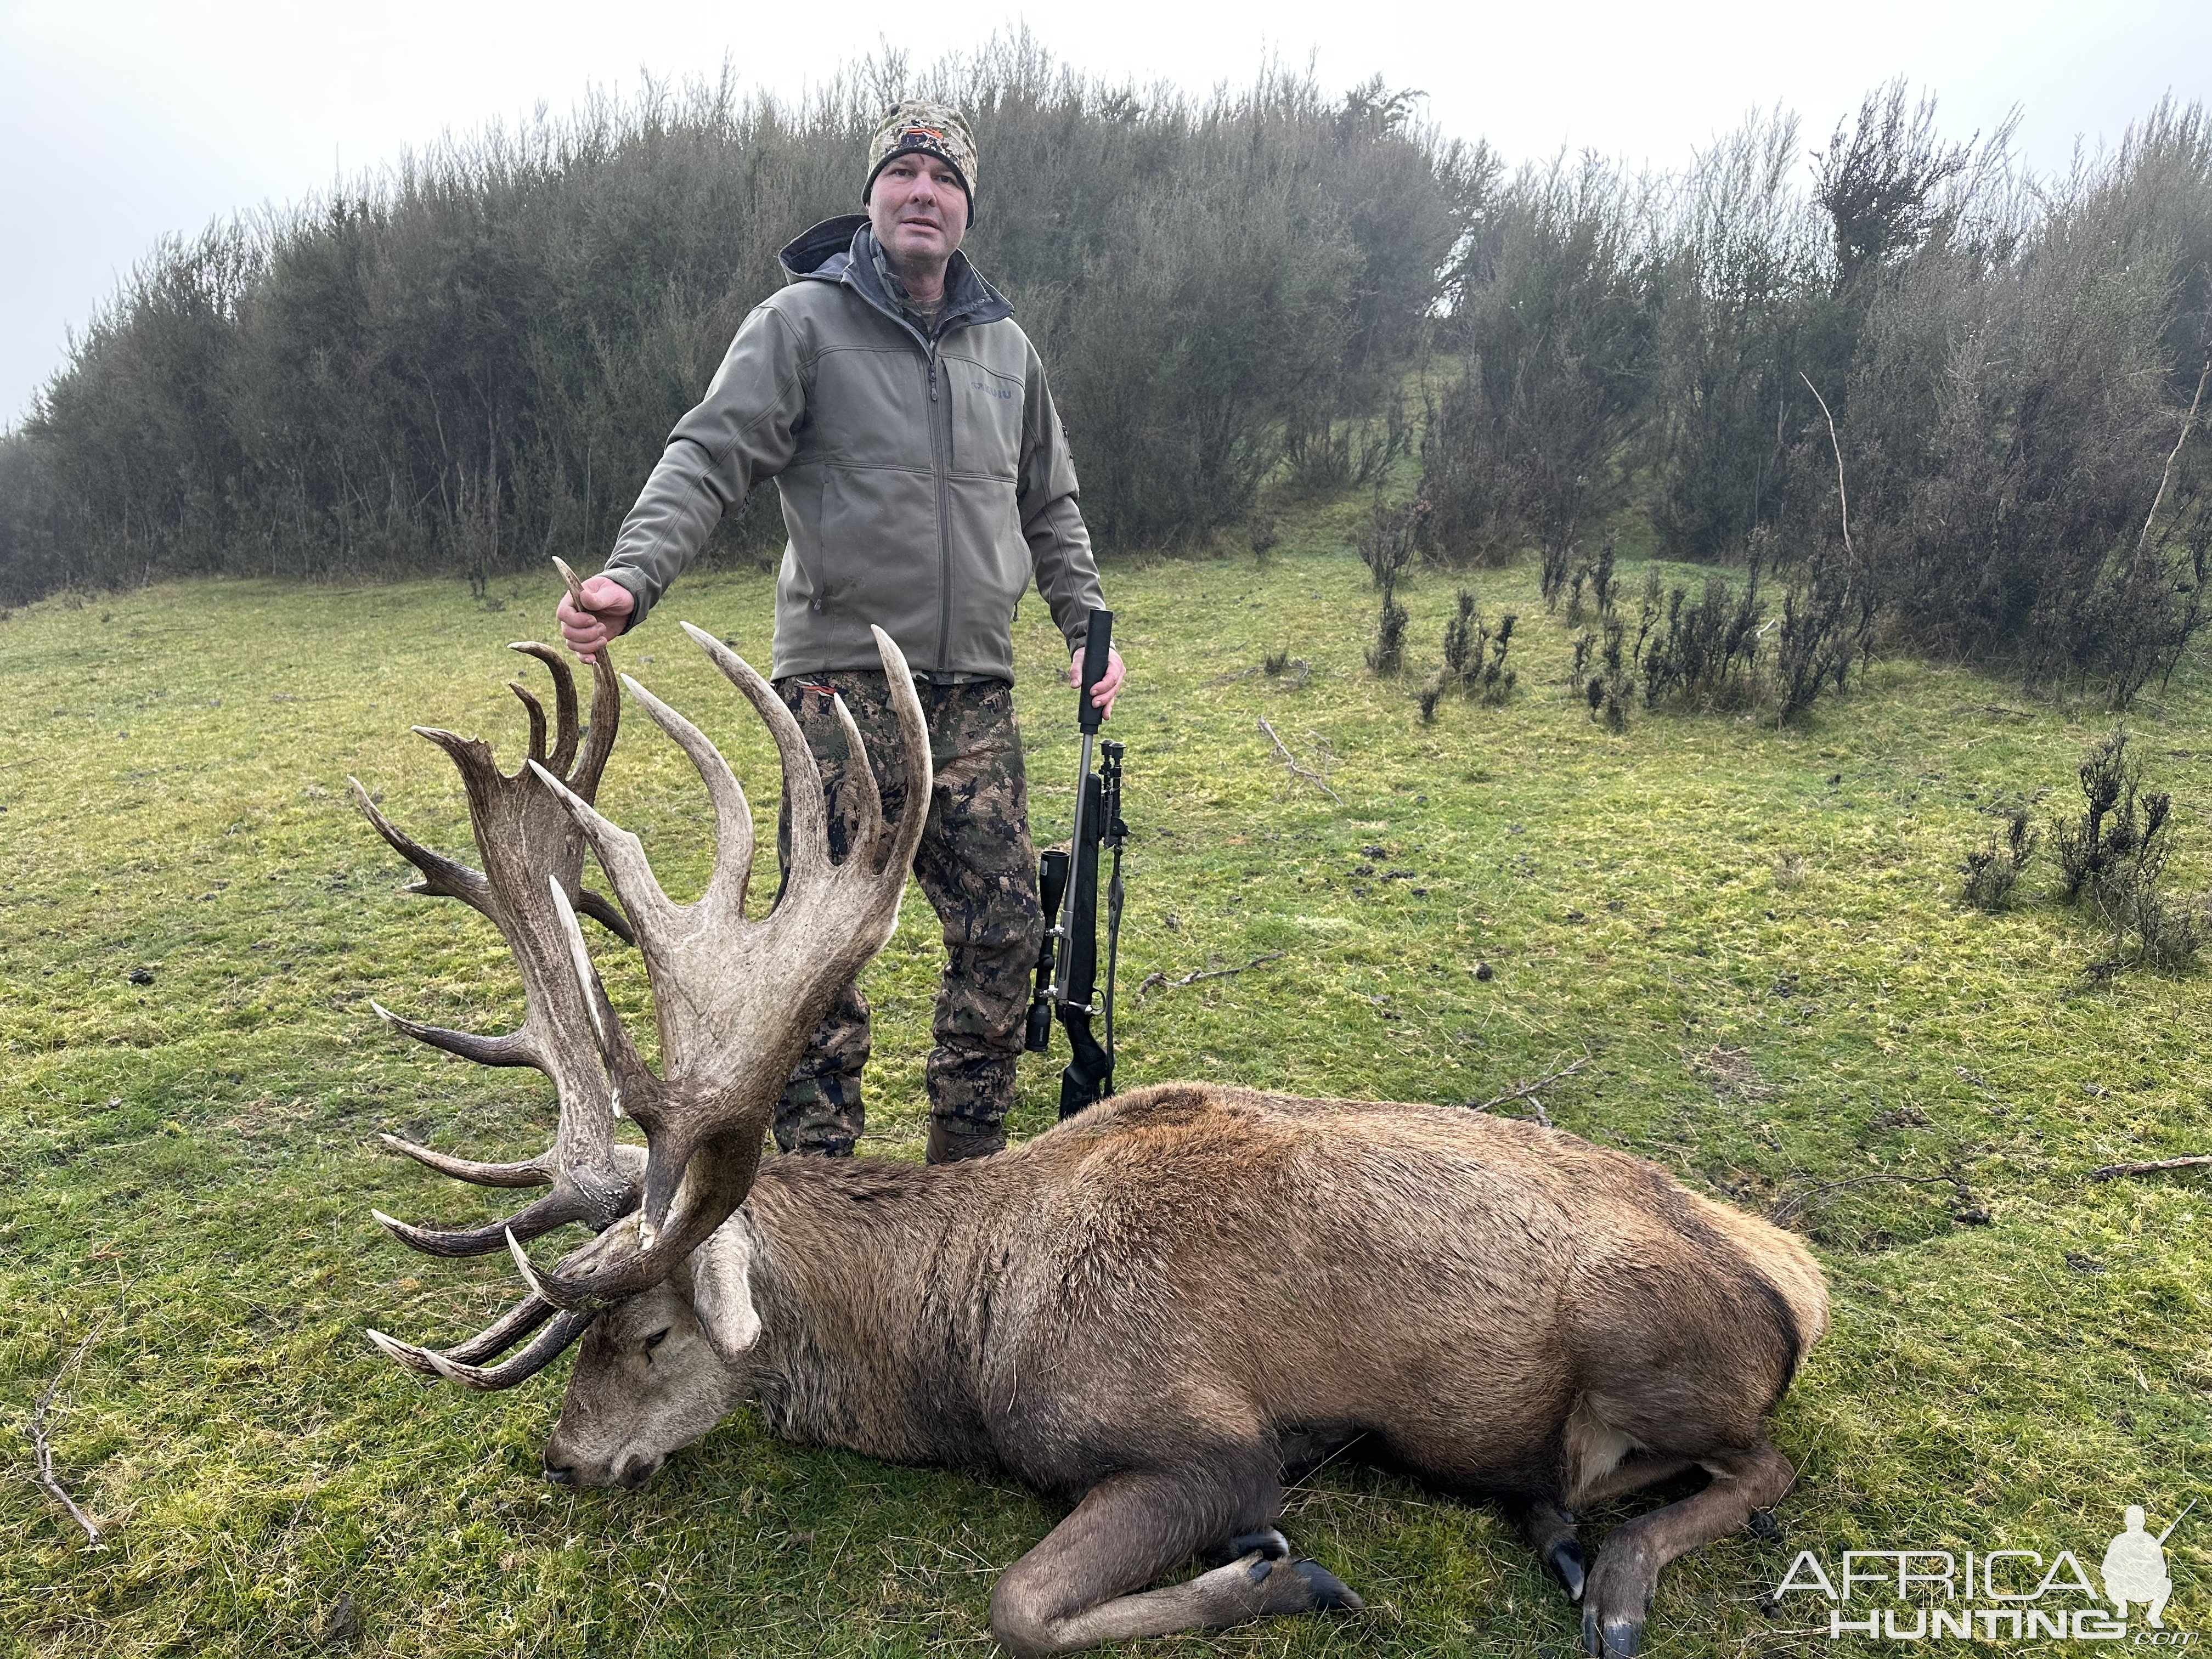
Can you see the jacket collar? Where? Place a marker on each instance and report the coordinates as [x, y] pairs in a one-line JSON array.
[[843, 251]]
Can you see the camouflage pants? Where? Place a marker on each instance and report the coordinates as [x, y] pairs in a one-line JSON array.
[[977, 867]]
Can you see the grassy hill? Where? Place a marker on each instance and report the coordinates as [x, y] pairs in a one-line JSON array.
[[1751, 938]]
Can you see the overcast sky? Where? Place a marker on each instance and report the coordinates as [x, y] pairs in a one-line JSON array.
[[121, 120]]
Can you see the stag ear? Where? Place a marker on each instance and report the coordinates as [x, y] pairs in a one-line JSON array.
[[722, 1288]]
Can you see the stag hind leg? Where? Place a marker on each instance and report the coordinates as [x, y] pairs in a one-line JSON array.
[[1754, 1477], [1550, 1529], [1083, 1584]]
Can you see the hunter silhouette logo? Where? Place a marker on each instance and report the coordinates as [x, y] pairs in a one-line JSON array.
[[2135, 1567], [2001, 1594]]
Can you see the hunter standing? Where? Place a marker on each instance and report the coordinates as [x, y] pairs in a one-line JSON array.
[[926, 483]]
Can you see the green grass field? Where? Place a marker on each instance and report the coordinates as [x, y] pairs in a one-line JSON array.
[[1753, 934]]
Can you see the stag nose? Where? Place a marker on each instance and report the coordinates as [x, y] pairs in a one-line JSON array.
[[561, 1474]]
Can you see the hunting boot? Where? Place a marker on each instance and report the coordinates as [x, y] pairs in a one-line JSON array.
[[952, 1139]]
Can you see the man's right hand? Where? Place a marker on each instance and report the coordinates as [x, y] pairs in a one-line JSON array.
[[605, 613]]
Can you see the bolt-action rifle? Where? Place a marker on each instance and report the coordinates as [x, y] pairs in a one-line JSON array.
[[1068, 884]]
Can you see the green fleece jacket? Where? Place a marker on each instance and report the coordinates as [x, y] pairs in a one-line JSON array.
[[925, 480]]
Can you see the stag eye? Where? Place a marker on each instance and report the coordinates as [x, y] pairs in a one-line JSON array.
[[656, 1339]]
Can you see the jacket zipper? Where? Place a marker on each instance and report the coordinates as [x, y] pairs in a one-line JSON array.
[[940, 434]]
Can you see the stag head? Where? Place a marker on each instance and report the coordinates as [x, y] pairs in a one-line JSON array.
[[734, 998]]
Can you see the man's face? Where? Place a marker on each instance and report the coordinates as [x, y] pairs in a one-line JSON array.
[[918, 210]]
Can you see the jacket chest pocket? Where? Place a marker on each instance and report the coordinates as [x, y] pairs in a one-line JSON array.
[[869, 408], [987, 421]]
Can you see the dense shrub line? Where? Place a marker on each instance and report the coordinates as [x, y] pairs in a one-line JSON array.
[[2007, 362], [476, 359]]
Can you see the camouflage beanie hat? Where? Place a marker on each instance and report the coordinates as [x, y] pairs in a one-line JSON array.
[[924, 126]]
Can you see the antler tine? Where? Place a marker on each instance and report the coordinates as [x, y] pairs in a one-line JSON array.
[[599, 736], [733, 815], [617, 1052], [809, 814], [442, 876], [537, 711], [533, 1220], [896, 842], [530, 1172], [564, 702], [502, 1333], [607, 699], [866, 795], [591, 904], [544, 1348], [515, 1048]]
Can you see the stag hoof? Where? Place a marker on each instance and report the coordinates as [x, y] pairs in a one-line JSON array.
[[1611, 1638], [1329, 1593], [1565, 1559], [1267, 1543], [1619, 1595]]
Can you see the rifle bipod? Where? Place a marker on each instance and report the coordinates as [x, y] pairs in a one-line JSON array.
[[1067, 886]]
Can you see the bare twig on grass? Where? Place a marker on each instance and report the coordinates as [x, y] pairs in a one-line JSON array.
[[1198, 974], [1789, 1209], [2167, 477], [1304, 1482], [43, 1450], [1843, 503], [2156, 1166], [1528, 1092], [1298, 771]]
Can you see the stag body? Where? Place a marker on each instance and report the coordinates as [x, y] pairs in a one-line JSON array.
[[1156, 1306], [1152, 1309]]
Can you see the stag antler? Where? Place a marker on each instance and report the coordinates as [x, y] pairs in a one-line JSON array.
[[735, 1000], [525, 836]]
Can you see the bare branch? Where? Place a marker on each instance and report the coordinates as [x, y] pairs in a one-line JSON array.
[[2157, 1166], [1196, 975], [2167, 477], [1528, 1092], [1843, 503], [43, 1450], [1795, 1204], [1296, 770]]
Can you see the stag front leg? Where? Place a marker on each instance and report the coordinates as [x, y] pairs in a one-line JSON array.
[[1074, 1589], [1627, 1570]]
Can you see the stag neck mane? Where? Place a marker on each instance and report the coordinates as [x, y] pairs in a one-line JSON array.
[[874, 1280]]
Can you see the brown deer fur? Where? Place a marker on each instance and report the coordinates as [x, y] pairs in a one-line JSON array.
[[1155, 1306]]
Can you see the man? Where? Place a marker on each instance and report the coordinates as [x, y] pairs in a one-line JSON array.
[[926, 481]]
